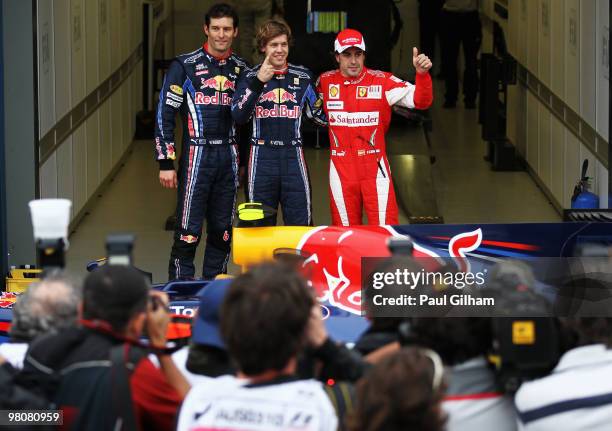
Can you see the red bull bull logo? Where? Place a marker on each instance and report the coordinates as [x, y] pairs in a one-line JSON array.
[[334, 262], [218, 83], [170, 153], [189, 239], [7, 299], [333, 254], [278, 95]]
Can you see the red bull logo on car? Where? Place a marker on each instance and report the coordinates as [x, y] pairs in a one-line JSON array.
[[334, 258], [278, 95], [333, 254]]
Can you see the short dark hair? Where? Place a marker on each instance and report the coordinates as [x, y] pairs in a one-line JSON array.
[[399, 394], [115, 294], [264, 317], [456, 339], [583, 331], [271, 29], [221, 10]]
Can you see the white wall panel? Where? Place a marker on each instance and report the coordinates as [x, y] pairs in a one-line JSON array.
[[136, 99], [77, 39], [512, 35], [124, 38], [544, 147], [533, 25], [46, 68], [61, 31], [523, 24], [533, 134], [115, 34], [517, 111], [134, 20], [136, 24], [92, 128], [126, 118], [603, 67], [557, 158], [92, 81], [139, 90], [79, 169], [557, 38], [48, 178], [116, 112], [544, 41], [92, 46], [104, 39], [572, 54], [105, 139], [65, 172], [136, 81], [588, 62], [573, 164]]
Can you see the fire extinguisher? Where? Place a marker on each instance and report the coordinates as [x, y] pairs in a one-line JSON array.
[[582, 198]]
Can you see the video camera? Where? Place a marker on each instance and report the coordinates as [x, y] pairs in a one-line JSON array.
[[525, 341]]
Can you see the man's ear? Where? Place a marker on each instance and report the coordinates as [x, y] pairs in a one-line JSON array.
[[80, 310], [236, 32], [337, 58], [205, 28]]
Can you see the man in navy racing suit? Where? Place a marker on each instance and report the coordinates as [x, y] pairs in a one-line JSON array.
[[200, 86], [274, 94]]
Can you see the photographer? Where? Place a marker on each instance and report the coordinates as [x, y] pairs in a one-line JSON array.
[[402, 392], [264, 324], [577, 394], [45, 307], [99, 371], [472, 401]]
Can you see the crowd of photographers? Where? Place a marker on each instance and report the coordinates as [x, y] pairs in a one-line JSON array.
[[260, 358]]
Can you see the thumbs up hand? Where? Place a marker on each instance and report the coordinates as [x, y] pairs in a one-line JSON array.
[[421, 62]]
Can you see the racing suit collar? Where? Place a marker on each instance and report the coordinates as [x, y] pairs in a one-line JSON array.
[[357, 80], [224, 57], [282, 71]]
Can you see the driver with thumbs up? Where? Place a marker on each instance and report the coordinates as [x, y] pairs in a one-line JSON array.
[[358, 102]]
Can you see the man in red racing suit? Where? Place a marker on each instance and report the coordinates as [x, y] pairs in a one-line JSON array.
[[358, 101]]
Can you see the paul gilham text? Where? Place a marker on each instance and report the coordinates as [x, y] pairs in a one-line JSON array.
[[433, 301]]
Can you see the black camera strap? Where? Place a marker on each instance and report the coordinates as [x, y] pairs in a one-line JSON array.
[[124, 358]]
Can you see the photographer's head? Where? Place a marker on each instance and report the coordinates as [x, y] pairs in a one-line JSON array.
[[584, 331], [456, 339], [264, 317], [47, 306], [403, 391], [117, 295]]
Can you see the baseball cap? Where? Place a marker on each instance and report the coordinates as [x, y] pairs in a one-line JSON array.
[[206, 327], [347, 38]]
